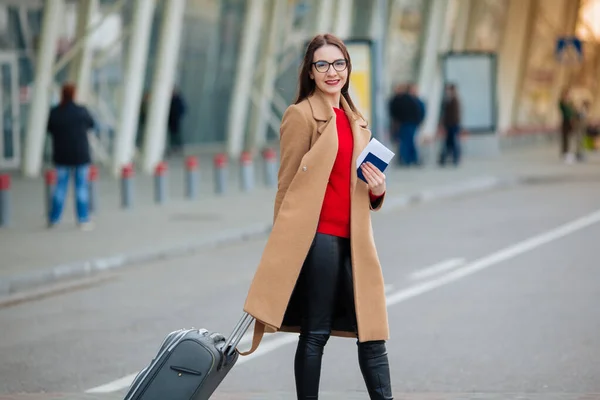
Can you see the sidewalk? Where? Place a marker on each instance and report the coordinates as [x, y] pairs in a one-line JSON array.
[[32, 255], [219, 395]]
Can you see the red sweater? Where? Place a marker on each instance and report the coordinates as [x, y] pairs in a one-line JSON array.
[[335, 212]]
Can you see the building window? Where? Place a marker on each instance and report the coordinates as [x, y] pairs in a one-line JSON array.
[[405, 39], [208, 60], [542, 75]]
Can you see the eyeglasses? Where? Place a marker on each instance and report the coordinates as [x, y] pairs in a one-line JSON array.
[[338, 65]]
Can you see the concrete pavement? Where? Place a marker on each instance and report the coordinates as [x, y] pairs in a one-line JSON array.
[[490, 296], [333, 396], [33, 256]]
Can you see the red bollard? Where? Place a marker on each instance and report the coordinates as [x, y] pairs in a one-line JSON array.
[[191, 177], [4, 200], [50, 185], [246, 171], [270, 165], [220, 162], [127, 174], [160, 186], [93, 175]]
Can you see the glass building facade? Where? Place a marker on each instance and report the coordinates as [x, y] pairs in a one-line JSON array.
[[212, 43]]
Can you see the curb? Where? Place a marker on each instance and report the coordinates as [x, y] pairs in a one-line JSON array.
[[87, 268]]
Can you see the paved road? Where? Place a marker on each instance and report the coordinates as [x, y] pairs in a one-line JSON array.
[[492, 296]]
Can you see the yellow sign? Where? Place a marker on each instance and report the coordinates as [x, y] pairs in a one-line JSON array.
[[360, 80]]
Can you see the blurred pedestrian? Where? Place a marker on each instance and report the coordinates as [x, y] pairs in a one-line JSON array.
[[177, 110], [579, 132], [139, 137], [450, 126], [408, 112], [568, 115], [394, 123], [320, 274], [68, 125]]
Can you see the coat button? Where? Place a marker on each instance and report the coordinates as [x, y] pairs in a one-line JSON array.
[[304, 168]]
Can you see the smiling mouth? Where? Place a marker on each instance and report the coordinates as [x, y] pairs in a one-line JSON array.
[[332, 82]]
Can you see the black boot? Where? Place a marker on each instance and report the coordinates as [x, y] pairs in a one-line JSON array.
[[375, 368]]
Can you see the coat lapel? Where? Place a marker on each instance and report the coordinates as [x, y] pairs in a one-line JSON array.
[[322, 112], [361, 138]]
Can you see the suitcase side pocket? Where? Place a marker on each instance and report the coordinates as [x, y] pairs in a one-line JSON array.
[[185, 370]]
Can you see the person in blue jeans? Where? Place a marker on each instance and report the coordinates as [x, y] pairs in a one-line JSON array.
[[407, 112], [451, 145], [68, 126], [450, 123], [408, 136]]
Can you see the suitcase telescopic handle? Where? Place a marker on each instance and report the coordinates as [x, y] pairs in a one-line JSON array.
[[238, 332]]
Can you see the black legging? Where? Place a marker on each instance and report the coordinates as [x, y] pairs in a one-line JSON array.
[[327, 274]]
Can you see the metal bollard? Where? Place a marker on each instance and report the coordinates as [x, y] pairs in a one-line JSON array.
[[93, 175], [160, 183], [127, 174], [270, 166], [191, 177], [4, 200], [50, 184], [246, 171], [220, 162]]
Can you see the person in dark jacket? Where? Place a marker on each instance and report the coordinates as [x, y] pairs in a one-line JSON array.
[[407, 112], [568, 115], [450, 124], [176, 113], [68, 125]]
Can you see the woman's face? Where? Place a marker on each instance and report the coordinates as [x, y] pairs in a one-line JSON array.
[[329, 69]]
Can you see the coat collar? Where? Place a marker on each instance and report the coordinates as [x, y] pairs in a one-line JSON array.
[[322, 111], [320, 107], [354, 116]]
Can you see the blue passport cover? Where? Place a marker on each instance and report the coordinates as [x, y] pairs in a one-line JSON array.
[[376, 161]]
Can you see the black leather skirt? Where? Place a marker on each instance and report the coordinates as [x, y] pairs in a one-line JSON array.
[[323, 299]]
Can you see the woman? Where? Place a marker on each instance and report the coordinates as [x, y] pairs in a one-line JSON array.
[[319, 274]]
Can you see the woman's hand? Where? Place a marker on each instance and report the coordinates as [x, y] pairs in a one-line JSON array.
[[375, 178]]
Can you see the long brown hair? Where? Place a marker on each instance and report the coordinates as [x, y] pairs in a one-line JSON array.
[[306, 85]]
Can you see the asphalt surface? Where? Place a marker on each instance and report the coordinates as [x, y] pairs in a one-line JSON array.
[[509, 311]]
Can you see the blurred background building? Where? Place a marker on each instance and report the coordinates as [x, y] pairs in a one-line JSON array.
[[235, 63]]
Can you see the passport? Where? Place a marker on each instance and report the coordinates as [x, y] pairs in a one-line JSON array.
[[375, 153]]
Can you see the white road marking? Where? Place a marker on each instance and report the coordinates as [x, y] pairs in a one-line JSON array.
[[279, 341], [268, 344], [437, 269], [114, 386], [495, 258], [413, 291], [247, 338]]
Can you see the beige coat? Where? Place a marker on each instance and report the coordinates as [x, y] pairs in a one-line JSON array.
[[309, 145]]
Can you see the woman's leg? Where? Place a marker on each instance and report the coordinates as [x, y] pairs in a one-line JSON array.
[[375, 368], [319, 277], [372, 356]]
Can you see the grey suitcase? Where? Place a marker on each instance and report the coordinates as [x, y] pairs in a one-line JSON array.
[[190, 365]]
